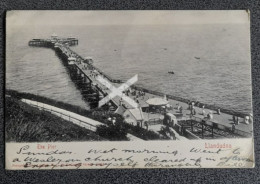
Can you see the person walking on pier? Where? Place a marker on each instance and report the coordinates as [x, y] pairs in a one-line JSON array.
[[191, 112], [218, 111], [210, 116], [237, 121], [233, 128], [192, 104], [180, 109], [194, 111], [120, 102], [146, 125], [178, 106], [246, 120], [234, 119], [203, 112]]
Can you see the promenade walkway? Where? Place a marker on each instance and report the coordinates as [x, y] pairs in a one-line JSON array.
[[223, 119], [77, 119]]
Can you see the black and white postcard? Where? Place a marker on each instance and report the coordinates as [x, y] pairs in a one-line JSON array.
[[128, 89]]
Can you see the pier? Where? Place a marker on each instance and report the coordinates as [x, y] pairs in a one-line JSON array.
[[71, 41], [193, 126]]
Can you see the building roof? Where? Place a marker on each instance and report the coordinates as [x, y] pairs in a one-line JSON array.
[[157, 101], [120, 110], [137, 113]]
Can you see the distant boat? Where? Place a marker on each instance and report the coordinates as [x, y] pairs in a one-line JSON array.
[[171, 72], [197, 57]]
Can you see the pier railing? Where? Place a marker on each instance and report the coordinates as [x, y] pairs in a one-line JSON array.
[[220, 127], [66, 117], [107, 76], [97, 69], [184, 132]]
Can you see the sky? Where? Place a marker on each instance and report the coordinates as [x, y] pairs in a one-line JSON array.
[[131, 17]]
